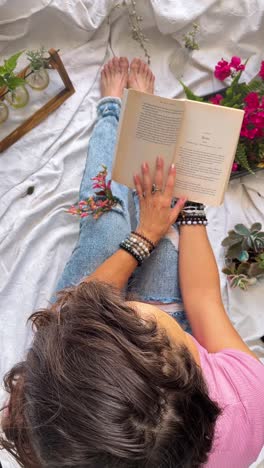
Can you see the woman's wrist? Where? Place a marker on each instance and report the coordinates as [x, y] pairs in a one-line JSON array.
[[148, 234], [137, 245]]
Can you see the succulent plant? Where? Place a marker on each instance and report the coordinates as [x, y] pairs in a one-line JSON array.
[[245, 255]]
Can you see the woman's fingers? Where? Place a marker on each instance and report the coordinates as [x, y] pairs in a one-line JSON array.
[[159, 173], [147, 182], [138, 186], [170, 184]]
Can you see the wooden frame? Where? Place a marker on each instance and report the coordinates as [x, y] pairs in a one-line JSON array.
[[55, 63]]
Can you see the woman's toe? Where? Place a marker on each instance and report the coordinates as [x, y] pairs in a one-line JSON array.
[[116, 64], [123, 63], [135, 65]]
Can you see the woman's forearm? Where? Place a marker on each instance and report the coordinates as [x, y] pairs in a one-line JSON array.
[[116, 270], [198, 268], [200, 286]]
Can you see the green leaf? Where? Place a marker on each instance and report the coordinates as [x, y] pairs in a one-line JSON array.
[[2, 81], [189, 94], [247, 243], [14, 81], [255, 270], [243, 268], [2, 70], [228, 241], [11, 63], [256, 227], [229, 92], [227, 271], [237, 77], [242, 230], [241, 157], [256, 85], [234, 250]]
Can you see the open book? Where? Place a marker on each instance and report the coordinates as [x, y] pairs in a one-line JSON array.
[[201, 139]]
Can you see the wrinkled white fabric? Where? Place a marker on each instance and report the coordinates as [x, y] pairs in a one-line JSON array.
[[36, 235]]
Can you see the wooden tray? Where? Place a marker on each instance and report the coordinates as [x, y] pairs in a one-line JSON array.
[[55, 63]]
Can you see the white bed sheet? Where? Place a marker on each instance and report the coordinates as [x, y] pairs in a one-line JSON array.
[[36, 235]]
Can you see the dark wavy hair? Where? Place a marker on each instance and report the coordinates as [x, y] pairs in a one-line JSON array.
[[103, 388]]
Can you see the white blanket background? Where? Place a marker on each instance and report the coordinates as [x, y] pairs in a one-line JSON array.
[[36, 235]]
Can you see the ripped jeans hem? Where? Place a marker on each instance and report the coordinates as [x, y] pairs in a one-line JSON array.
[[161, 300]]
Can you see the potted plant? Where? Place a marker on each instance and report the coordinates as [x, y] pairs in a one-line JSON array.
[[248, 97], [37, 76], [245, 255], [16, 94]]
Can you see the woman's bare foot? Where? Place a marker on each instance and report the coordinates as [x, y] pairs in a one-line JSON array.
[[141, 77], [114, 77]]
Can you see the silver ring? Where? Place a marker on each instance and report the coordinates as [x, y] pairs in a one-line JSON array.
[[155, 189]]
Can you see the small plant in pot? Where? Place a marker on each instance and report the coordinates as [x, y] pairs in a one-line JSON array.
[[17, 95], [37, 75], [244, 256]]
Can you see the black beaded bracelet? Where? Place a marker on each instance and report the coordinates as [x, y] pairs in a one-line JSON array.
[[192, 221], [132, 252]]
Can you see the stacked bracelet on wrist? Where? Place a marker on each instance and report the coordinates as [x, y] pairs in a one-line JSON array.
[[192, 214], [138, 246]]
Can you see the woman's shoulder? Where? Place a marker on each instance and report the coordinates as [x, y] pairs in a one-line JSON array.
[[236, 381], [233, 374]]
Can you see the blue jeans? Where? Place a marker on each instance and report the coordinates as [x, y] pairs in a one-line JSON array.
[[157, 279]]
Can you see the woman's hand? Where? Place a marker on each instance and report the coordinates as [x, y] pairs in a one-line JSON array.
[[156, 214]]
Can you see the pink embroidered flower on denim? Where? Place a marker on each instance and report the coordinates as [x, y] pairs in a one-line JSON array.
[[101, 202]]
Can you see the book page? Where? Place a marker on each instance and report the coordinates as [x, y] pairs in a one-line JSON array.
[[149, 127], [206, 151]]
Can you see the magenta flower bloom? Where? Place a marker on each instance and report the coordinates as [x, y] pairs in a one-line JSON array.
[[234, 167], [216, 99], [252, 101], [261, 71], [236, 64], [222, 70]]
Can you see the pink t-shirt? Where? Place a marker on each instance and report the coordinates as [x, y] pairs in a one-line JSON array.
[[236, 382]]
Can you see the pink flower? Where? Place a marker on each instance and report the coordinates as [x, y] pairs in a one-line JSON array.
[[222, 70], [83, 215], [252, 101], [82, 203], [234, 167], [216, 99], [236, 63], [261, 71]]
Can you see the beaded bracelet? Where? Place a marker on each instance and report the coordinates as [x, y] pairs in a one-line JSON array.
[[192, 214], [132, 252], [194, 221], [144, 238], [137, 247]]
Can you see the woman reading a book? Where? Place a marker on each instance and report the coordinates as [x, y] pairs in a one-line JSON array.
[[113, 383]]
